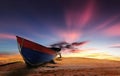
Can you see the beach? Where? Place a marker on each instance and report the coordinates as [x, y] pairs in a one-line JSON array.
[[72, 66]]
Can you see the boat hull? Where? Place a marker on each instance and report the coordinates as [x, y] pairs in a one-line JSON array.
[[35, 54], [34, 57]]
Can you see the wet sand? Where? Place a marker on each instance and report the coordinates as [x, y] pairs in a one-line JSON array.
[[64, 67]]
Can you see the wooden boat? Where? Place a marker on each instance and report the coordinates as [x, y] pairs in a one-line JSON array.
[[35, 54]]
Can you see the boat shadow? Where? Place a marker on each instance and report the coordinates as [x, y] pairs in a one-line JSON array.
[[20, 69], [17, 69], [6, 64]]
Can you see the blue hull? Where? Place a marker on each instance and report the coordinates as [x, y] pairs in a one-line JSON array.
[[34, 57], [34, 54]]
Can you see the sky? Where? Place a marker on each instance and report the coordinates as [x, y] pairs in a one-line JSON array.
[[51, 21]]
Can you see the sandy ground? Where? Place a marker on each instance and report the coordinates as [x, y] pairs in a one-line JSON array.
[[14, 66]]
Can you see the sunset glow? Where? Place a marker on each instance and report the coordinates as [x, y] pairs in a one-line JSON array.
[[46, 22]]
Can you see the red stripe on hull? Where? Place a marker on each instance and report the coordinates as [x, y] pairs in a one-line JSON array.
[[34, 46]]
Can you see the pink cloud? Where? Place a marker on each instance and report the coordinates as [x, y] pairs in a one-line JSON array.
[[75, 51], [78, 50], [7, 36], [68, 18], [107, 22], [113, 31], [117, 45], [69, 36], [104, 24], [87, 13], [75, 18]]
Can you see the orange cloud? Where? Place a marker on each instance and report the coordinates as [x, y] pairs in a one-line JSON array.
[[7, 36]]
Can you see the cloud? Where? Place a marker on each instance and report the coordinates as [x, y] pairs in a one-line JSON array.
[[69, 47], [112, 31], [75, 18], [117, 45], [59, 44], [68, 35], [75, 51], [7, 36], [104, 25], [79, 43], [87, 13]]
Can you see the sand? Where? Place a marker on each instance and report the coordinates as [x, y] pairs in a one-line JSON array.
[[15, 66]]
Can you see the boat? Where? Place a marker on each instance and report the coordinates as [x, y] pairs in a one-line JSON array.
[[35, 54]]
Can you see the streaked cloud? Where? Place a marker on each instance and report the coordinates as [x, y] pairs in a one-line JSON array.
[[105, 25], [79, 43], [69, 47], [112, 31], [75, 18], [7, 36], [117, 45], [86, 16], [69, 36]]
